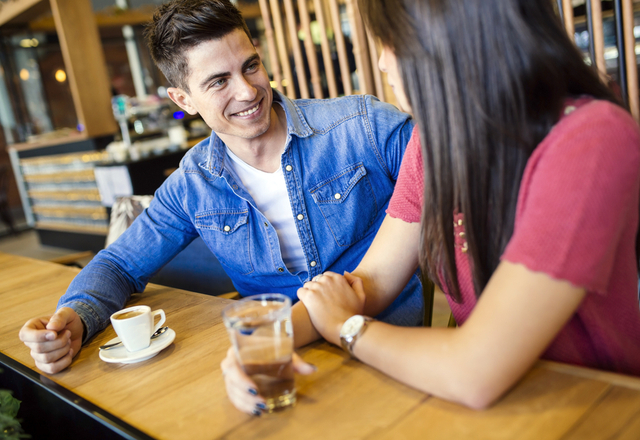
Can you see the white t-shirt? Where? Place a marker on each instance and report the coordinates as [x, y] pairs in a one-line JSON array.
[[269, 192]]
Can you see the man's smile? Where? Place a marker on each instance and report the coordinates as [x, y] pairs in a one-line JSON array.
[[249, 111]]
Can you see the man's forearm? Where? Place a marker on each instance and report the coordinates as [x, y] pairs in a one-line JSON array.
[[98, 291], [303, 330]]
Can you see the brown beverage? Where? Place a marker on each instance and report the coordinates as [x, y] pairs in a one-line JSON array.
[[275, 382], [261, 333], [127, 315]]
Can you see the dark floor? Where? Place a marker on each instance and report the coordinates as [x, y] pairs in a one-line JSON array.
[[25, 241]]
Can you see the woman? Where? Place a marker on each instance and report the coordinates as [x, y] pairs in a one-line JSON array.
[[521, 202]]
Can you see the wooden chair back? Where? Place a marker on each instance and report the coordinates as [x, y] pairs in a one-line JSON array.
[[625, 42], [313, 52]]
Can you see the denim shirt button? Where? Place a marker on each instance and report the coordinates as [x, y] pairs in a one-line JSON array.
[[235, 186], [313, 264], [288, 168], [338, 196], [300, 217], [280, 269], [227, 228]]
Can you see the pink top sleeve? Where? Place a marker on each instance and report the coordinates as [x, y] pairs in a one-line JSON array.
[[578, 198], [406, 201]]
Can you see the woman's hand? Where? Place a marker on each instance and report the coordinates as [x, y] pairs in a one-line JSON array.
[[242, 391], [331, 299]]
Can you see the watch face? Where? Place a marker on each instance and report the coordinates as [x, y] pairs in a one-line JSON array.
[[352, 326]]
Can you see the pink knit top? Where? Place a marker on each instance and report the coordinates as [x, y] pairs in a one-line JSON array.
[[576, 220]]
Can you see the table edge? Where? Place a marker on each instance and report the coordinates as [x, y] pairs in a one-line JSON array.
[[79, 403], [617, 379]]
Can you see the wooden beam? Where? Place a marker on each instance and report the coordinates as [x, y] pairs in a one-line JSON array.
[[326, 50], [567, 14], [310, 49], [282, 48], [632, 67], [271, 45], [343, 60], [360, 48], [377, 75], [598, 38], [295, 46], [85, 64]]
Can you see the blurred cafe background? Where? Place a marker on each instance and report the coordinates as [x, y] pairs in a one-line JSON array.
[[85, 118]]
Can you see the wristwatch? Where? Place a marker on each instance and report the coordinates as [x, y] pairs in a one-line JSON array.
[[351, 330]]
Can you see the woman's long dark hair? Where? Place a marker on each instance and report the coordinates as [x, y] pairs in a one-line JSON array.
[[486, 80]]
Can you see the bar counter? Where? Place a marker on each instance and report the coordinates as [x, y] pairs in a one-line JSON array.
[[179, 394]]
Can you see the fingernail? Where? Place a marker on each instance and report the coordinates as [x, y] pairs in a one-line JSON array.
[[71, 353], [255, 412], [253, 391], [315, 368], [261, 405], [50, 336]]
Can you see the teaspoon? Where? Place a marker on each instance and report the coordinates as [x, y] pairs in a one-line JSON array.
[[157, 333]]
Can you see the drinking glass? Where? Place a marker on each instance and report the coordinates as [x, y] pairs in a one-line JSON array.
[[262, 336]]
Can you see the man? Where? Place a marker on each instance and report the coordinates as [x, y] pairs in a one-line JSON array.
[[281, 192]]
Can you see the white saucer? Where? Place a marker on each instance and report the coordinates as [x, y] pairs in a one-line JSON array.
[[121, 355]]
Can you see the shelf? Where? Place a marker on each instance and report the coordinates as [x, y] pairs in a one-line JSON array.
[[65, 159], [63, 212], [104, 19], [62, 177], [73, 228], [50, 142], [114, 18], [21, 11], [79, 195]]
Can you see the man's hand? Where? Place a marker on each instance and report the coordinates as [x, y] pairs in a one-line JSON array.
[[331, 299], [242, 391], [53, 340]]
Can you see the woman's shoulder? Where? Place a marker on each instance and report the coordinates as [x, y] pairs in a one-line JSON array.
[[591, 130], [588, 117]]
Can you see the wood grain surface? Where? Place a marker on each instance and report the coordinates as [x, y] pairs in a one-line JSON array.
[[179, 394]]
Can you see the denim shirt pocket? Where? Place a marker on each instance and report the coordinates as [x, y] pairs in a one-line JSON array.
[[347, 203], [226, 232]]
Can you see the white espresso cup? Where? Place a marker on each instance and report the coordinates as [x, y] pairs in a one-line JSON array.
[[134, 326]]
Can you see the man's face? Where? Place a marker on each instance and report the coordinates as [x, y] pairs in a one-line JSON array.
[[228, 87]]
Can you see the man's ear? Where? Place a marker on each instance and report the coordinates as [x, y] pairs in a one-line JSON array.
[[182, 100]]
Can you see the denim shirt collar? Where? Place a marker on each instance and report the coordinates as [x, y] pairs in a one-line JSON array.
[[296, 125]]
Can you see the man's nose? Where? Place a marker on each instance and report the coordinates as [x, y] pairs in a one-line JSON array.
[[245, 91]]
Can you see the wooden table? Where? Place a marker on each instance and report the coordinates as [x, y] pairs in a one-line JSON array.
[[180, 394]]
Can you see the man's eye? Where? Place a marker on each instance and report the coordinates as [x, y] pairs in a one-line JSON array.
[[253, 66], [218, 83]]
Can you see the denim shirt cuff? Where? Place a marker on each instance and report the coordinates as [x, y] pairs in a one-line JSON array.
[[88, 316]]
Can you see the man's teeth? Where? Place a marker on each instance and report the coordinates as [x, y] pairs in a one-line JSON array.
[[249, 112]]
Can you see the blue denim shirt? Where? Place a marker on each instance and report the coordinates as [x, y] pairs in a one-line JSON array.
[[341, 161]]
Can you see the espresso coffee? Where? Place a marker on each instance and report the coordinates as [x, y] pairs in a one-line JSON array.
[[131, 314]]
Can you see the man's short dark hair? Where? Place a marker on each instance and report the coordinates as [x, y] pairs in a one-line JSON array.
[[180, 25]]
